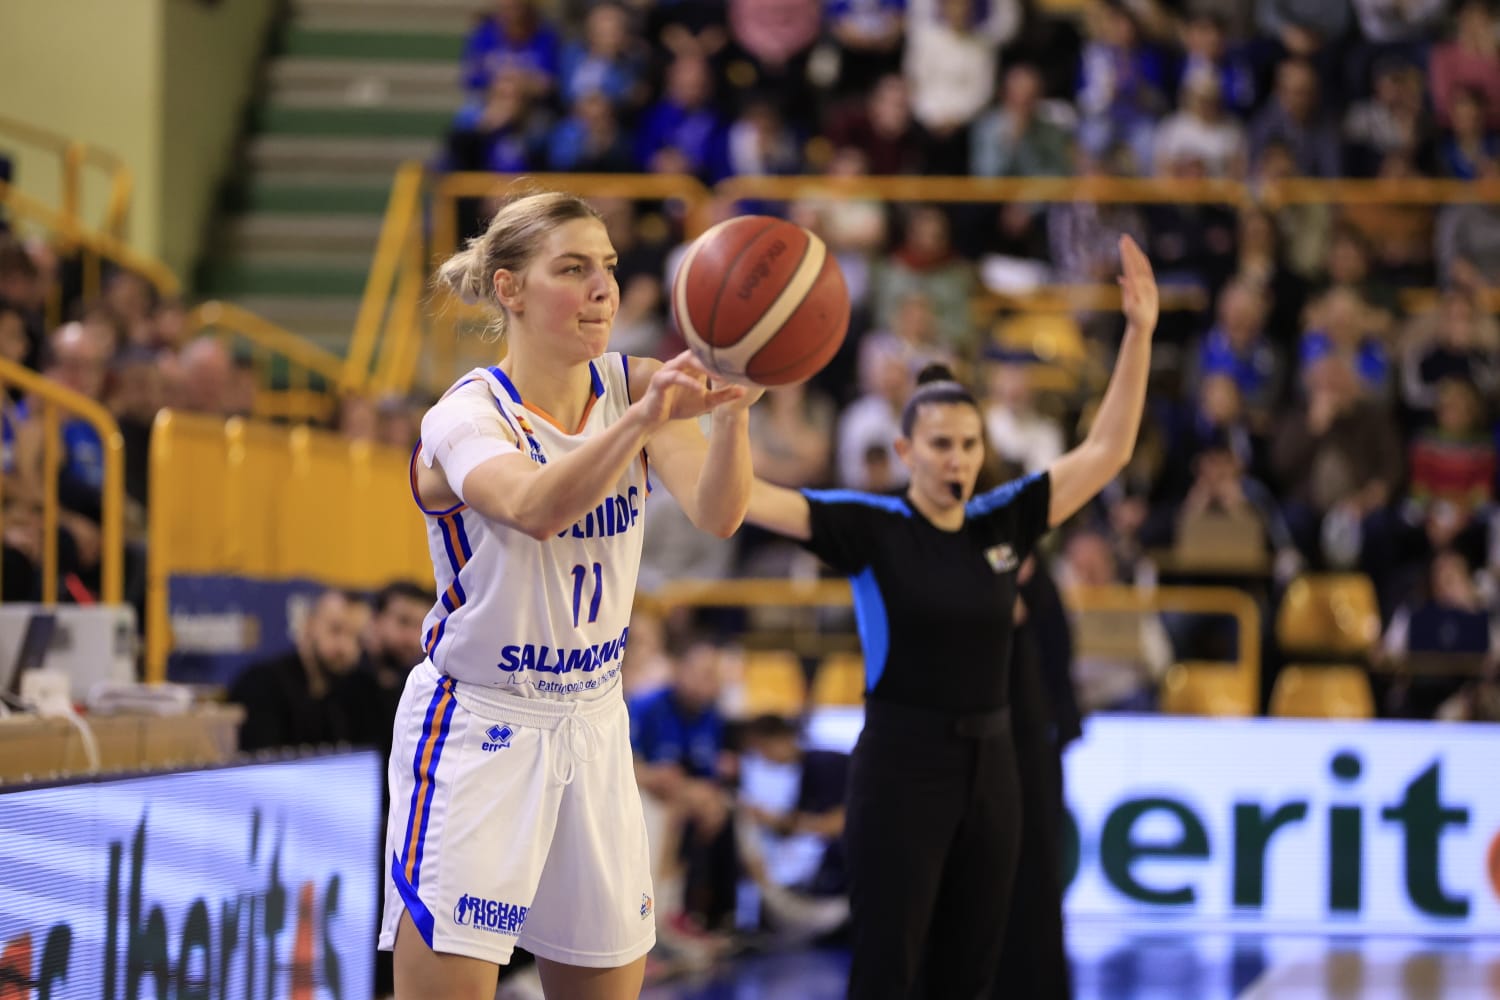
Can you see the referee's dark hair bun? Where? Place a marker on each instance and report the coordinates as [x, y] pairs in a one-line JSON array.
[[935, 372]]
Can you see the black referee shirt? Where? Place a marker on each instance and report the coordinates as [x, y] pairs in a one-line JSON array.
[[934, 607]]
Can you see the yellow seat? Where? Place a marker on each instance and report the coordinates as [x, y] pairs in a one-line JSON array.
[[1322, 691], [1329, 614], [774, 683], [1206, 689], [840, 680]]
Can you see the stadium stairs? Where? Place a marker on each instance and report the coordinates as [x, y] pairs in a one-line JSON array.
[[353, 89]]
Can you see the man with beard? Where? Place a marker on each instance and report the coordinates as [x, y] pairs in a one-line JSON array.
[[392, 646], [295, 699]]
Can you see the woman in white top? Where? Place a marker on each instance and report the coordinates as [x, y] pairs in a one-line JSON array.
[[515, 816]]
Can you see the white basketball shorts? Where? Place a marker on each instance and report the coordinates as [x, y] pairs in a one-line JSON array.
[[516, 821]]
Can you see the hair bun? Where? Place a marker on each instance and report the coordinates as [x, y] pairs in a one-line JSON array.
[[935, 373]]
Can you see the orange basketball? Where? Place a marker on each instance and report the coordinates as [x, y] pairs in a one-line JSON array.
[[761, 300]]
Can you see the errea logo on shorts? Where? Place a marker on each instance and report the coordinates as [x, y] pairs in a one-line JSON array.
[[497, 738], [489, 915]]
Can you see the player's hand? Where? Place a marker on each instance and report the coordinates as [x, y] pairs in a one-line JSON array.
[[1138, 295], [680, 390]]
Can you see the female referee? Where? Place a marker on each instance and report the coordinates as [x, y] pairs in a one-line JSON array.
[[933, 819], [515, 816]]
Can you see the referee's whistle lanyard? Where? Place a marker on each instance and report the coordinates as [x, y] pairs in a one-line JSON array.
[[578, 743]]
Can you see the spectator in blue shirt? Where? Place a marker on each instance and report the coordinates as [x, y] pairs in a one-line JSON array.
[[602, 61], [1237, 346], [683, 131], [515, 37], [677, 735]]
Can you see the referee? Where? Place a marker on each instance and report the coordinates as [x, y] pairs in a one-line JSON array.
[[933, 816]]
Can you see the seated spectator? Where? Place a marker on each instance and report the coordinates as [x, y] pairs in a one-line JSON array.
[[1304, 28], [1200, 131], [868, 37], [590, 139], [792, 809], [1119, 657], [1451, 488], [869, 426], [1083, 236], [1445, 621], [770, 44], [791, 436], [926, 261], [913, 336], [1018, 137], [1350, 267], [1399, 236], [683, 132], [1295, 118], [1468, 245], [882, 126], [134, 398], [22, 286], [1122, 88], [1259, 258], [681, 758], [1390, 121], [1454, 341], [1470, 149], [513, 37], [207, 379], [1238, 510], [502, 133], [604, 61], [1470, 59], [1190, 242], [1237, 346], [1339, 323], [301, 698], [952, 56], [1335, 467], [760, 143], [390, 646], [639, 322], [1018, 431], [1208, 54]]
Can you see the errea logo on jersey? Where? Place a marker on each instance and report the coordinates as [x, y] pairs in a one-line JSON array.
[[489, 915], [498, 738]]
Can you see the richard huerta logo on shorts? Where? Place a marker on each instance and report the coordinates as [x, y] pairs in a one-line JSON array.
[[489, 915], [497, 737]]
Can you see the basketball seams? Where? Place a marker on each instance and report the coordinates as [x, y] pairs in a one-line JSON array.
[[779, 312], [713, 312]]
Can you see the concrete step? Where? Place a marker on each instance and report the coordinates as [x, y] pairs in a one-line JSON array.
[[231, 277], [289, 234], [313, 195], [408, 42], [326, 320], [429, 16], [298, 82], [346, 122], [360, 159]]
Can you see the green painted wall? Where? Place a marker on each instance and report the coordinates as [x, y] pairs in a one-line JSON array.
[[160, 83]]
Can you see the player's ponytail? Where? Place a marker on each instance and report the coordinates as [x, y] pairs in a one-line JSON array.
[[508, 244], [935, 386]]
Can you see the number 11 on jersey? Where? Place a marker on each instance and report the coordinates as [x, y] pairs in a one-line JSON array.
[[580, 574]]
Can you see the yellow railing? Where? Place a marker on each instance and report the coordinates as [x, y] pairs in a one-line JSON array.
[[73, 157], [760, 593], [301, 399], [52, 399], [400, 250], [389, 312], [94, 246], [249, 499]]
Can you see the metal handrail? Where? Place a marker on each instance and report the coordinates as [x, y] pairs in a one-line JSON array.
[[53, 398]]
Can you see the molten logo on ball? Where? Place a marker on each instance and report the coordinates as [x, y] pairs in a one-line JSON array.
[[762, 269]]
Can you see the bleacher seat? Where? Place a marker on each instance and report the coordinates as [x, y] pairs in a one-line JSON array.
[[774, 683], [1322, 691], [840, 680], [1196, 688], [1331, 615]]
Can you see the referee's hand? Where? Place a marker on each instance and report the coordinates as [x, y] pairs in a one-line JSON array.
[[1138, 298]]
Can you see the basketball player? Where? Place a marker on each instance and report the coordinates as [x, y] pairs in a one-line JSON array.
[[515, 817], [933, 816]]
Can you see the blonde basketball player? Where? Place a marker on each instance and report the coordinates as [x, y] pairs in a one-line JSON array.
[[515, 817]]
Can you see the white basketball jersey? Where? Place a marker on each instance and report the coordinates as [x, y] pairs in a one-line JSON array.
[[540, 619]]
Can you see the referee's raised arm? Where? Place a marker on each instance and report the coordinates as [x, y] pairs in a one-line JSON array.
[[1078, 476]]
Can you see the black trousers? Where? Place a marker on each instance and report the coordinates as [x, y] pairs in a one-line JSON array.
[[933, 831]]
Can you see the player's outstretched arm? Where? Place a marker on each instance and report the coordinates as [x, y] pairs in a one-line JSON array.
[[1078, 476], [709, 478]]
